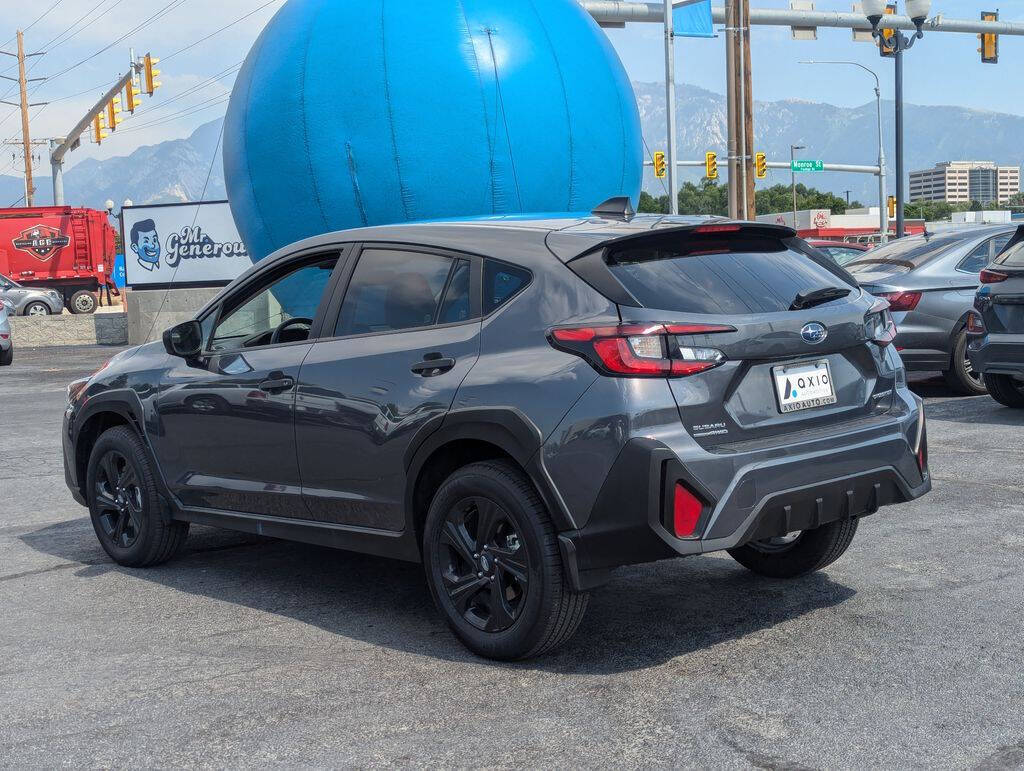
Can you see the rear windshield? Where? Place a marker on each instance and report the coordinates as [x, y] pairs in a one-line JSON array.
[[1012, 257], [903, 256], [714, 275]]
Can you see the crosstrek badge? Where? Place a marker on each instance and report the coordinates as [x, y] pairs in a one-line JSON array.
[[41, 241]]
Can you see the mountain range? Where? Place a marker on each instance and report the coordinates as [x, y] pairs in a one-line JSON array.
[[177, 170]]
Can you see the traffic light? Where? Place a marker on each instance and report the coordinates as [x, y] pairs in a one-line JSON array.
[[711, 165], [113, 110], [131, 96], [989, 43], [151, 73], [660, 170], [98, 124], [887, 34], [892, 207], [761, 165]]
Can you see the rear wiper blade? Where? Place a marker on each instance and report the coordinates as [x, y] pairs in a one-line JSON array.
[[818, 297]]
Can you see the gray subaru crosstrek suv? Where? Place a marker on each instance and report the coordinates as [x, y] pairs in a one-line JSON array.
[[522, 404]]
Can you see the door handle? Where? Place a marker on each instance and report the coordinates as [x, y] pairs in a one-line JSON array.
[[277, 385], [432, 365]]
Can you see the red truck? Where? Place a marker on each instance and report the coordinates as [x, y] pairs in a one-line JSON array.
[[64, 248]]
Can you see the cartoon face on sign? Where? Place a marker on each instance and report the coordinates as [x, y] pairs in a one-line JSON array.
[[41, 241], [146, 244]]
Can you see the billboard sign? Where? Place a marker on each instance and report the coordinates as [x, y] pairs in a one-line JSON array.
[[189, 244]]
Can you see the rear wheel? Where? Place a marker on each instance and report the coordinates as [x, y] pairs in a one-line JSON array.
[[798, 553], [1006, 389], [37, 309], [82, 301], [960, 376], [493, 564], [126, 509]]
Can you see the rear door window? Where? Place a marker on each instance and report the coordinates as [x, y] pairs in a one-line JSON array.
[[730, 275]]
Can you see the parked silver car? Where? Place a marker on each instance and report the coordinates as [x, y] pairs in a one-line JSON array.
[[29, 301], [930, 282], [6, 341]]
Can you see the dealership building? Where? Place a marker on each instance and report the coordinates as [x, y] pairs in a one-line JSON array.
[[965, 181]]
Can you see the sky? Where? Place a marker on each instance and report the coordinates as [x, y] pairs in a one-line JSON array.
[[87, 45]]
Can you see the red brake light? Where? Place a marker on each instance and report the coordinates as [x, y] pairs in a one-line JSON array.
[[992, 276], [647, 350], [717, 228], [901, 301], [686, 511]]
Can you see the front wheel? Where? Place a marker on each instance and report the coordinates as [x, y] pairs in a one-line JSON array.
[[493, 564], [126, 509], [37, 309], [799, 553], [1006, 390], [960, 376]]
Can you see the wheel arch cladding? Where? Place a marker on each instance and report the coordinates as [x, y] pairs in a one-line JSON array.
[[338, 101], [91, 429]]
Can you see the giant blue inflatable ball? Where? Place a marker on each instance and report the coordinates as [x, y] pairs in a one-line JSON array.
[[364, 112]]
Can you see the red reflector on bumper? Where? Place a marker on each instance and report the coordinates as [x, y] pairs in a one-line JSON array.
[[686, 510]]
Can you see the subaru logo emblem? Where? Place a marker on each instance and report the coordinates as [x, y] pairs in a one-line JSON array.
[[814, 332]]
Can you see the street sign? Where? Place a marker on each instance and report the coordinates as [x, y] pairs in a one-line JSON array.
[[807, 166]]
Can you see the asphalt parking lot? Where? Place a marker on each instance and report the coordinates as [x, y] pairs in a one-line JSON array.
[[248, 651]]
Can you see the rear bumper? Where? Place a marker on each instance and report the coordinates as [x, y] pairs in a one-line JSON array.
[[772, 492], [997, 354]]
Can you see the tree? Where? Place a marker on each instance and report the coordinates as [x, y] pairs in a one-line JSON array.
[[710, 198]]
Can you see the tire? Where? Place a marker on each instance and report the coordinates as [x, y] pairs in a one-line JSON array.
[[1006, 390], [37, 309], [128, 514], [82, 302], [960, 377], [7, 357], [534, 616], [812, 550]]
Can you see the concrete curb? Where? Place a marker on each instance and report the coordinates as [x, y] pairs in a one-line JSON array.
[[66, 329]]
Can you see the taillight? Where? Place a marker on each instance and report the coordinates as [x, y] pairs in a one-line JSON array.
[[644, 350], [975, 323], [901, 301], [879, 326], [992, 276], [686, 511]]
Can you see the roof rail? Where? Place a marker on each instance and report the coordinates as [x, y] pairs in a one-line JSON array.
[[619, 207]]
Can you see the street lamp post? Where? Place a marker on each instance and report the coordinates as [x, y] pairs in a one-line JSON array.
[[883, 204], [792, 171], [918, 12]]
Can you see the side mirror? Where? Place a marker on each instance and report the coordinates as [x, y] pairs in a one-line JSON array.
[[184, 340]]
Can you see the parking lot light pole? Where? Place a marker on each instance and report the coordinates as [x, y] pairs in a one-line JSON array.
[[792, 171], [883, 206], [917, 10]]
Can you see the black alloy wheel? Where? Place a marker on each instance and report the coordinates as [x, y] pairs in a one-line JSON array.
[[118, 500], [484, 564]]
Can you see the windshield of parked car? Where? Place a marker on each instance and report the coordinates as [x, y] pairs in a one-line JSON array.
[[904, 255], [8, 283]]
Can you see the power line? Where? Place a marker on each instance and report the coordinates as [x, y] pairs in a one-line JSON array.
[[212, 102], [38, 19], [217, 32]]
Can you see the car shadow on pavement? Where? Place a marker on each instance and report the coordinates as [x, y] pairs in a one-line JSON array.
[[644, 616]]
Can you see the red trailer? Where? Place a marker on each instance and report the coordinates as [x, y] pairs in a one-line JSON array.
[[64, 248]]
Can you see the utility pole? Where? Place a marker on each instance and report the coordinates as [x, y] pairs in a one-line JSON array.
[[732, 107], [26, 138], [670, 101], [747, 89]]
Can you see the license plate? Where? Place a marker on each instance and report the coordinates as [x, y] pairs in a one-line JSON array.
[[804, 386]]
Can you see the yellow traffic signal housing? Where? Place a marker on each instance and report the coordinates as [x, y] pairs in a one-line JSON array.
[[660, 169], [989, 43], [131, 96], [151, 74], [892, 207], [98, 124], [711, 165], [761, 165], [113, 110], [887, 34]]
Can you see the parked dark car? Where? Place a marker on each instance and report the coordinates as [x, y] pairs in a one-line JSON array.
[[841, 251], [522, 404], [930, 281], [997, 325]]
